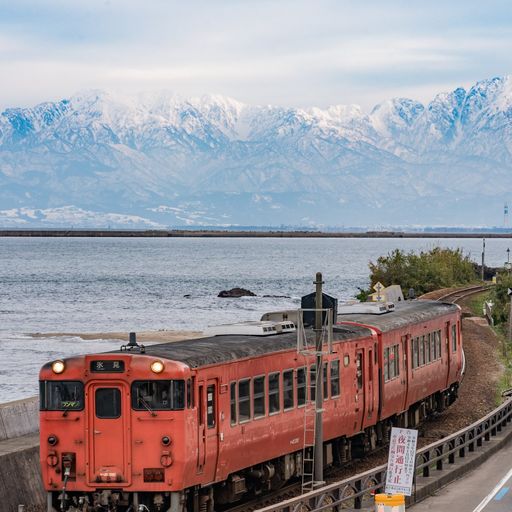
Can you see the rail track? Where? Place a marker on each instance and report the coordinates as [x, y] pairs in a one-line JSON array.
[[294, 489], [456, 295]]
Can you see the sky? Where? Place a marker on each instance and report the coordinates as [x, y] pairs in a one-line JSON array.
[[287, 52]]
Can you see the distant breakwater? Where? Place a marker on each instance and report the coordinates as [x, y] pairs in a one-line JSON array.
[[120, 233]]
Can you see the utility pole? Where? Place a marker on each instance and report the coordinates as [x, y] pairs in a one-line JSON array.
[[319, 395], [483, 258]]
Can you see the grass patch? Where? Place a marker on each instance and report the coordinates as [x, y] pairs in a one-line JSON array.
[[476, 303], [505, 381]]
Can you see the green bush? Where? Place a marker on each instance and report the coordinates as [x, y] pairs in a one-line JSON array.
[[424, 272]]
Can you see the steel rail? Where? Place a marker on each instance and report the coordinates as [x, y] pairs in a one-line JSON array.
[[462, 293]]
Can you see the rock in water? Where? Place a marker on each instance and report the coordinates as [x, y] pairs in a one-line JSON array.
[[236, 292]]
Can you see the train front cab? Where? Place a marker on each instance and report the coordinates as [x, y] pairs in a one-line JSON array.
[[113, 433]]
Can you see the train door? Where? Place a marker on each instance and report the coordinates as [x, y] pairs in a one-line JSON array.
[[360, 391], [405, 370], [448, 353], [108, 421], [369, 395], [208, 430]]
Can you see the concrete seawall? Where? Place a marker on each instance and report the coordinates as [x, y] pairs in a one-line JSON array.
[[20, 476], [19, 418]]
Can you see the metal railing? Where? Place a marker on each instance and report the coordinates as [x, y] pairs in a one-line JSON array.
[[356, 493]]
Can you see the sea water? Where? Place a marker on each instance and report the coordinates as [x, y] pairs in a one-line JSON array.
[[79, 285]]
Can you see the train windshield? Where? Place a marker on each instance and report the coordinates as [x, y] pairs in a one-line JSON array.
[[63, 395], [158, 395]]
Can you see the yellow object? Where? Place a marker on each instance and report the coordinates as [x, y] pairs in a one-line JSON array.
[[494, 280], [389, 503]]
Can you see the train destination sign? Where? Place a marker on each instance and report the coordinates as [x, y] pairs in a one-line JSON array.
[[107, 366], [401, 461]]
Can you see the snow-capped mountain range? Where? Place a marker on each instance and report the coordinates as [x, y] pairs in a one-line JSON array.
[[100, 159]]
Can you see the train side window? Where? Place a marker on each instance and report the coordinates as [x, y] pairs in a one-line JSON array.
[[210, 406], [288, 390], [439, 345], [396, 360], [233, 402], [433, 347], [273, 393], [359, 370], [326, 388], [312, 382], [414, 355], [258, 396], [426, 346], [454, 337], [335, 378], [386, 364], [244, 400], [301, 387], [421, 359]]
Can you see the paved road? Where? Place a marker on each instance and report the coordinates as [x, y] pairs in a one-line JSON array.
[[487, 489]]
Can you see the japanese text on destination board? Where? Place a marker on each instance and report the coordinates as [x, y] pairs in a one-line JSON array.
[[401, 459]]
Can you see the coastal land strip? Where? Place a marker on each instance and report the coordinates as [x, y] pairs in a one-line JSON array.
[[161, 233], [163, 336]]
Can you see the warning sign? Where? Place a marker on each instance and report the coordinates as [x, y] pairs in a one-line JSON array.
[[401, 461]]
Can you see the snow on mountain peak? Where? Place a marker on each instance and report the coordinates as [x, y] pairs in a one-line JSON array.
[[159, 148]]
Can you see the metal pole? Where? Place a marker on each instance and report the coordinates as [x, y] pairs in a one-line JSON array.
[[483, 258], [319, 396]]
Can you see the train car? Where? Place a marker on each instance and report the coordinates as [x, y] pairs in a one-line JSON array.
[[181, 427]]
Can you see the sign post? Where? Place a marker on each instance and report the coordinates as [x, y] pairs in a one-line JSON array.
[[401, 461]]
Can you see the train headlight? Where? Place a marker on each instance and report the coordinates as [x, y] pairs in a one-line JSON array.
[[157, 367], [58, 366]]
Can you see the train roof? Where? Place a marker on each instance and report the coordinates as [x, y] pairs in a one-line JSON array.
[[407, 312], [222, 349]]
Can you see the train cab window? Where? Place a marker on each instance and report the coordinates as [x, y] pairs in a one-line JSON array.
[[232, 392], [312, 382], [288, 390], [325, 383], [454, 337], [63, 395], [158, 395], [107, 403], [244, 400], [335, 378], [273, 393], [210, 406], [258, 396], [301, 387]]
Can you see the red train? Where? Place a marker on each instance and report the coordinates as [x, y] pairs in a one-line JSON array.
[[189, 426]]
